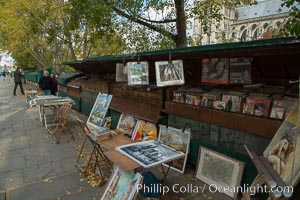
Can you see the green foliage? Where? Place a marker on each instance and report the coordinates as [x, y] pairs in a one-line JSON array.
[[292, 25]]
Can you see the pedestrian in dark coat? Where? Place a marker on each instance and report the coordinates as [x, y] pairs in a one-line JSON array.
[[45, 84], [54, 84], [18, 80]]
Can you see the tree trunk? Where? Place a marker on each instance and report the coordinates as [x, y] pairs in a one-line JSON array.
[[181, 40]]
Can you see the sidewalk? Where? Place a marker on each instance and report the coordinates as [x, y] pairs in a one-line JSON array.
[[33, 167]]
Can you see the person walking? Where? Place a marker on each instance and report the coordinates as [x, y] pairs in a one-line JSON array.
[[54, 84], [45, 83], [18, 80]]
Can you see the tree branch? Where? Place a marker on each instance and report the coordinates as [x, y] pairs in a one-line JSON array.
[[139, 21]]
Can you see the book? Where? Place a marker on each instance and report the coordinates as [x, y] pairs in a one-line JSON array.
[[193, 99], [219, 105], [233, 102], [277, 113], [215, 70], [248, 108], [240, 70], [261, 105]]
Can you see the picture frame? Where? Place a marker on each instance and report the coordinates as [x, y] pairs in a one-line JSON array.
[[122, 185], [127, 124], [179, 140], [138, 73], [240, 70], [121, 73], [283, 152], [219, 170], [98, 112], [215, 70], [149, 153], [169, 73], [145, 131]]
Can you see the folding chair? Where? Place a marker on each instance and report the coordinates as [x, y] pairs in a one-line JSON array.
[[60, 122]]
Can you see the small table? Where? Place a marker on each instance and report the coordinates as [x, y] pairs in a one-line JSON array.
[[49, 101]]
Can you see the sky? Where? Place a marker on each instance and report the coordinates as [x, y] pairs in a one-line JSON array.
[[6, 59]]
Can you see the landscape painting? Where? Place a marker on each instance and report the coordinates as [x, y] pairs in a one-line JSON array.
[[98, 112], [122, 185], [127, 125], [138, 73]]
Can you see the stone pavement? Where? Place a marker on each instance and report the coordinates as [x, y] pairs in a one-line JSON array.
[[33, 167]]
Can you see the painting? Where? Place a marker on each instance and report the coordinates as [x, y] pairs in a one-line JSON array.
[[122, 185], [163, 136], [149, 153], [138, 73], [169, 73], [127, 125], [219, 170], [240, 70], [215, 70], [98, 112], [283, 152], [121, 73], [179, 140], [145, 131]]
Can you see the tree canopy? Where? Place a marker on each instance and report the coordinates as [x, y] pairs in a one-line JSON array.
[[46, 33]]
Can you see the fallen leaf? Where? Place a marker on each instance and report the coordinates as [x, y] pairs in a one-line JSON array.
[[210, 198], [68, 192], [11, 180], [82, 179], [47, 180], [80, 189]]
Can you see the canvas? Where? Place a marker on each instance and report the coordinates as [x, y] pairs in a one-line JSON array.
[[127, 125], [122, 185], [149, 153], [138, 73], [216, 169], [98, 112], [283, 152], [180, 141], [145, 131], [215, 70], [121, 73], [169, 73]]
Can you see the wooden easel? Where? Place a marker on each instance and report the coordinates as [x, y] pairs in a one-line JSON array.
[[266, 176], [96, 158]]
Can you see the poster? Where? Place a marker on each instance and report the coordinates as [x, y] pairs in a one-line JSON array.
[[215, 70], [240, 70], [169, 73], [138, 73], [149, 153], [283, 152], [219, 170], [98, 112]]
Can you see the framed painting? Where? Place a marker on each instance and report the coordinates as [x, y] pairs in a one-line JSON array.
[[138, 73], [127, 125], [145, 131], [149, 153], [283, 152], [169, 73], [180, 141], [122, 185], [163, 136], [98, 112], [219, 170], [215, 70], [121, 73]]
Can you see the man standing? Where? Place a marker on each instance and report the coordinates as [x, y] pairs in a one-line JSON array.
[[45, 83], [18, 80]]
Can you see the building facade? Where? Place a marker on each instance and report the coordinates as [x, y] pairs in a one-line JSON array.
[[243, 23]]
